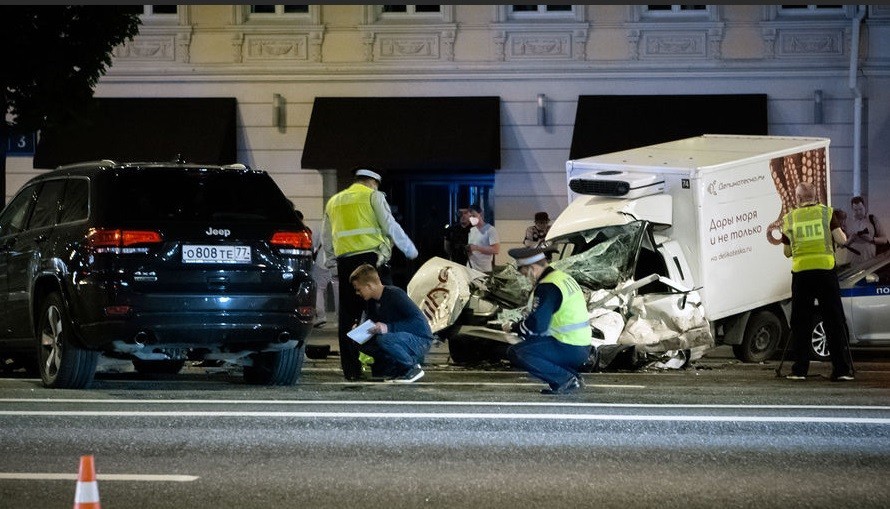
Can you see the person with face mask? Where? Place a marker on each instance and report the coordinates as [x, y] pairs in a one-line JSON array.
[[556, 335], [483, 242]]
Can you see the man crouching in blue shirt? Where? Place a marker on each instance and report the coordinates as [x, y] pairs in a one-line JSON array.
[[402, 336], [556, 337]]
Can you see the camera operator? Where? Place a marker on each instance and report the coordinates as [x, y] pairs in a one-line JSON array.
[[867, 238]]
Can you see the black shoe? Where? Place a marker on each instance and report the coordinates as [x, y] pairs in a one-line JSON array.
[[572, 385], [842, 378], [412, 375]]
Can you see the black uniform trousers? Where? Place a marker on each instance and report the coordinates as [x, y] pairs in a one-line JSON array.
[[820, 285], [351, 307]]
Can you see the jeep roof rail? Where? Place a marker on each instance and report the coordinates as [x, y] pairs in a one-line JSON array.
[[87, 164]]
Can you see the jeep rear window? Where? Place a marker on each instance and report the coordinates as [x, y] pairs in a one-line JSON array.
[[199, 195]]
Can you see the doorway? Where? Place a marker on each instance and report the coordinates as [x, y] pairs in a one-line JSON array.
[[425, 204]]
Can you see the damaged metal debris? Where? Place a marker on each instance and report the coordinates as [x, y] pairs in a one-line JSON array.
[[638, 320]]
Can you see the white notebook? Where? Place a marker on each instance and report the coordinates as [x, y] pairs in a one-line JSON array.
[[362, 333]]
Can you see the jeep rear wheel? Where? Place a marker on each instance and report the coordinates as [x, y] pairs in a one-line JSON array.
[[276, 368], [63, 364]]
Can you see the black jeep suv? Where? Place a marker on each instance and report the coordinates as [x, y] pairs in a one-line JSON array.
[[158, 263]]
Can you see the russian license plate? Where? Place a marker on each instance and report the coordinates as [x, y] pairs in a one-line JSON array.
[[215, 254]]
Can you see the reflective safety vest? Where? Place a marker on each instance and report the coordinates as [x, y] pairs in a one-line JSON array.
[[569, 323], [354, 225], [809, 229]]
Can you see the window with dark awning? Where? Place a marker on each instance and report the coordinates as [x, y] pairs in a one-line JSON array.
[[202, 130], [404, 133], [609, 123]]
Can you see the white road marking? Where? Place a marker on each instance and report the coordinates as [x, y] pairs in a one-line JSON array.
[[480, 384], [41, 476], [530, 404], [798, 419]]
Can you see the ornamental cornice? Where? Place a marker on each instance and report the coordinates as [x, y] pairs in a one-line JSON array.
[[518, 40], [824, 39], [156, 43], [277, 43], [393, 42], [686, 40]]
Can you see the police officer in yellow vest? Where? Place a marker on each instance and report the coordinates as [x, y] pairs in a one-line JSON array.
[[556, 336], [358, 228], [810, 233]]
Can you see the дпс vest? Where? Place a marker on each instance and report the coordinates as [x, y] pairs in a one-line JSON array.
[[569, 323], [809, 229]]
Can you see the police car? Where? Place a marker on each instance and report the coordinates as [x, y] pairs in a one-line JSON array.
[[865, 293]]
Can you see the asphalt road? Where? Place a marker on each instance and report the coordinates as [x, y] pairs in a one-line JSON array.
[[718, 433]]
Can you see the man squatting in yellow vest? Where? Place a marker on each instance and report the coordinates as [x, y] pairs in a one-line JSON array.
[[556, 336], [358, 228], [809, 234]]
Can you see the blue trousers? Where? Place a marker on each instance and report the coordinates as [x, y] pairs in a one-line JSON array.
[[395, 353], [351, 306], [549, 360]]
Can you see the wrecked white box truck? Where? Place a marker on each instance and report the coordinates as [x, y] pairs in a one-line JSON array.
[[714, 204], [677, 245]]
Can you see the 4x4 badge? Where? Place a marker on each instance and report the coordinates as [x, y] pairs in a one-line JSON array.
[[145, 276], [214, 231]]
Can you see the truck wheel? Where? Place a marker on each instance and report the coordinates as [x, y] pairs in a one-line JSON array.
[[165, 367], [62, 363], [463, 350], [276, 368], [761, 339]]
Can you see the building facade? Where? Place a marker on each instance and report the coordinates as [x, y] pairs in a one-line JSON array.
[[824, 69]]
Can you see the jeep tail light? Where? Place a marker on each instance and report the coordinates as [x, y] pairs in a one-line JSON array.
[[107, 237], [293, 240]]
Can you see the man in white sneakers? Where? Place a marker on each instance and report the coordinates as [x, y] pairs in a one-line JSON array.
[[402, 335]]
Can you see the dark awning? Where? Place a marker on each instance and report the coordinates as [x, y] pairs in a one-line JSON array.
[[404, 133], [609, 123], [202, 130]]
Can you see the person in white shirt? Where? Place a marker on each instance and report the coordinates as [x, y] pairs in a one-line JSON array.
[[483, 242]]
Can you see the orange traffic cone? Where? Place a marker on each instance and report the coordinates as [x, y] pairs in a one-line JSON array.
[[87, 494]]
